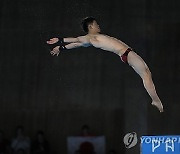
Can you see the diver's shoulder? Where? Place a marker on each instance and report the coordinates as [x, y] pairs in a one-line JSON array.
[[103, 35]]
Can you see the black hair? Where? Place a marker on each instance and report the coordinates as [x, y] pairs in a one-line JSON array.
[[21, 150], [85, 127], [85, 23], [20, 127]]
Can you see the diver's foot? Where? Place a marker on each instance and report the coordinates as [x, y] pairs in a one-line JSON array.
[[159, 105]]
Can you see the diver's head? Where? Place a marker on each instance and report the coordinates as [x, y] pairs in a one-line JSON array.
[[90, 25]]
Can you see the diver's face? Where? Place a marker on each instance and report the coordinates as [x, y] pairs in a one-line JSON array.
[[95, 27]]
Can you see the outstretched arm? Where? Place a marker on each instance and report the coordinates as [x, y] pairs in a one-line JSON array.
[[76, 42], [58, 49], [65, 40], [71, 40]]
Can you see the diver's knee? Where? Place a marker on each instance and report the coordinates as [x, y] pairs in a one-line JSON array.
[[146, 73]]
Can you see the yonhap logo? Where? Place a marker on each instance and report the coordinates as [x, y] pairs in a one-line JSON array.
[[169, 144], [130, 140]]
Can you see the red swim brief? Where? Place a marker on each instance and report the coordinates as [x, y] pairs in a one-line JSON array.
[[125, 55]]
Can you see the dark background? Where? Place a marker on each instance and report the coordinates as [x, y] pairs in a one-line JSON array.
[[88, 85]]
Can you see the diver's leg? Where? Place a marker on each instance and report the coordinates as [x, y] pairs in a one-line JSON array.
[[138, 64]]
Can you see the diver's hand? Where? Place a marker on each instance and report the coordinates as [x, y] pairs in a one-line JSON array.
[[52, 41], [55, 51]]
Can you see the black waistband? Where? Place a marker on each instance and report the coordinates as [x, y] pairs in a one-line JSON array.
[[127, 51]]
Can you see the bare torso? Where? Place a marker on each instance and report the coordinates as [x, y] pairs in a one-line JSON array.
[[104, 42]]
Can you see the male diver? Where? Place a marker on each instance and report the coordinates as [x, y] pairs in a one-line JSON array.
[[127, 55]]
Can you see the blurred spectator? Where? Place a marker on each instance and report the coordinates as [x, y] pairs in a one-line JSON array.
[[40, 145], [85, 131], [20, 151], [86, 148], [20, 142], [77, 152], [4, 144]]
